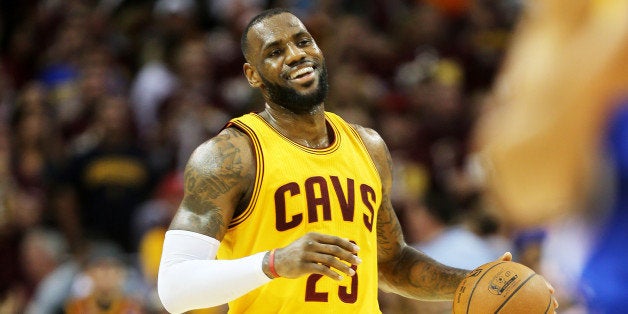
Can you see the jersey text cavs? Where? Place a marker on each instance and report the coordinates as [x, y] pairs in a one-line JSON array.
[[334, 190]]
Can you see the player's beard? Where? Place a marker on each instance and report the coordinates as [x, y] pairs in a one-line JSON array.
[[292, 100]]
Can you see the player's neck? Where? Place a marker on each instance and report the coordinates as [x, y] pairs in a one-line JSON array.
[[308, 129]]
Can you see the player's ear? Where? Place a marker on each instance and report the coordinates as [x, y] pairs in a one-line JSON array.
[[251, 75]]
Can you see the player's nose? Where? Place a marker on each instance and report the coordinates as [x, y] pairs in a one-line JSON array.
[[294, 54]]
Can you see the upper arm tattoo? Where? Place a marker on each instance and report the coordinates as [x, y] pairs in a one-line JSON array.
[[212, 177], [222, 171]]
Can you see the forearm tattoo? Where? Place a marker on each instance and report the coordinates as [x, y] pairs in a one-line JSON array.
[[406, 270], [389, 233]]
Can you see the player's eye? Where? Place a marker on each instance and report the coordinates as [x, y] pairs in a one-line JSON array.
[[274, 53], [304, 42]]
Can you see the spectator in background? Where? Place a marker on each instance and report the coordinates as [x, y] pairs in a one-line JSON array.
[[10, 230], [107, 178], [439, 227], [37, 149], [235, 14], [50, 270], [45, 274], [26, 158], [152, 85], [173, 22], [103, 285], [193, 112], [60, 69]]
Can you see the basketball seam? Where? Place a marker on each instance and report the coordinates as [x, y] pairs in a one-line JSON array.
[[476, 284], [513, 293]]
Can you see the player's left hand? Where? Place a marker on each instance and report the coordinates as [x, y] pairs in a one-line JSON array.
[[507, 257]]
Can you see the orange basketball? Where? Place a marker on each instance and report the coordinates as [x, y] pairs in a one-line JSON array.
[[503, 287]]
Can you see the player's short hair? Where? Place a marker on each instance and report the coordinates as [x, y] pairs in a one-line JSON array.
[[244, 44]]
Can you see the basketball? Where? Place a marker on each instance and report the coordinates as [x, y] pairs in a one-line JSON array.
[[503, 287]]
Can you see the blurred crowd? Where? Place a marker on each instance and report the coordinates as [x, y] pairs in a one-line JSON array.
[[102, 102]]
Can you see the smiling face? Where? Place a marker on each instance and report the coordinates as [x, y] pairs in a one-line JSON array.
[[286, 64]]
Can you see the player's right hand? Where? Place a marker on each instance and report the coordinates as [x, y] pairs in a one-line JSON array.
[[317, 253]]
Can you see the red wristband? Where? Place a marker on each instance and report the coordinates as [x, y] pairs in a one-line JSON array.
[[271, 264]]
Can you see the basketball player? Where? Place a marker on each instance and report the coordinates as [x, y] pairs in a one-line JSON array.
[[293, 201], [560, 109]]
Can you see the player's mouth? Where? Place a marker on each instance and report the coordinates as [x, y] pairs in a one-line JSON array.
[[301, 75]]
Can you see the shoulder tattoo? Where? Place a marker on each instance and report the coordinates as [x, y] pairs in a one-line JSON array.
[[212, 173]]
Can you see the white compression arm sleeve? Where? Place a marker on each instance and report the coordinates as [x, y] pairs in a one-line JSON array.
[[190, 277]]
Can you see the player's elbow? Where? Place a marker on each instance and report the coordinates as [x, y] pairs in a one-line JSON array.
[[167, 294], [178, 296]]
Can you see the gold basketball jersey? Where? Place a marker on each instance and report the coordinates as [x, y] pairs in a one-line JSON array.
[[334, 190]]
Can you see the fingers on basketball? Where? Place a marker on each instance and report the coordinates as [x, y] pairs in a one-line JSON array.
[[503, 287]]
